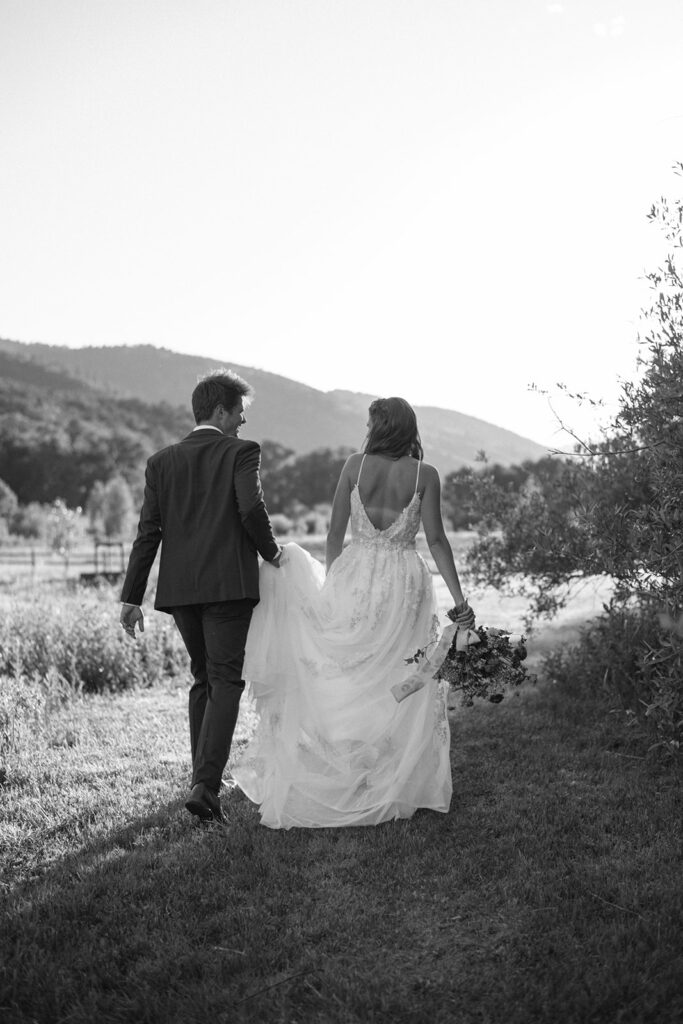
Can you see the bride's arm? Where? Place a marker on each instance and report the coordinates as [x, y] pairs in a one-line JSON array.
[[341, 510], [436, 535]]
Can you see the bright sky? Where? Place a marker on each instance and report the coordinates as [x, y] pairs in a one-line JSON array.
[[441, 199]]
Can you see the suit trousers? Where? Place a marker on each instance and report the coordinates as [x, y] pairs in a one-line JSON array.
[[215, 636]]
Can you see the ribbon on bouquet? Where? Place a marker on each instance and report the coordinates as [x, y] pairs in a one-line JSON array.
[[429, 668]]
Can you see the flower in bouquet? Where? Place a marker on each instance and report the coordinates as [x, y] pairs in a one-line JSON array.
[[485, 668]]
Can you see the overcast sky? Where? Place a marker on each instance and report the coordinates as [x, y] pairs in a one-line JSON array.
[[441, 199]]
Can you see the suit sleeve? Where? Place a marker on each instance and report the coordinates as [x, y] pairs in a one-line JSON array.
[[250, 502], [145, 545]]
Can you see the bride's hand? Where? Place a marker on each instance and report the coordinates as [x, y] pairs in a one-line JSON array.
[[464, 616]]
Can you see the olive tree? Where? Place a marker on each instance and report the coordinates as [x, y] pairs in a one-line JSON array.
[[615, 509]]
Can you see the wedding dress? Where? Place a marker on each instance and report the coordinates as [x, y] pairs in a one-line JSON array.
[[332, 746]]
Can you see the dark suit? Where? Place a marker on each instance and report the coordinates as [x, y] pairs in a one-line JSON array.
[[204, 504]]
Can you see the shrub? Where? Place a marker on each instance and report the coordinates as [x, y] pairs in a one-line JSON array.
[[77, 636], [282, 524], [8, 502], [31, 521], [621, 653], [614, 508]]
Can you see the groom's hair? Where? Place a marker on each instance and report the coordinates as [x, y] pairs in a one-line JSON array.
[[393, 429], [220, 387]]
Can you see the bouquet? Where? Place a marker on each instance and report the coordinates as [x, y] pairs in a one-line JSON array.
[[480, 663], [485, 668]]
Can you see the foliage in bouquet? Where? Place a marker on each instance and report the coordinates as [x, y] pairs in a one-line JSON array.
[[486, 669]]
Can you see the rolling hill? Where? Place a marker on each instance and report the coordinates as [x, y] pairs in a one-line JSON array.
[[295, 415]]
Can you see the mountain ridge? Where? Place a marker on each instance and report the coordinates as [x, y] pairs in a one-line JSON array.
[[289, 412]]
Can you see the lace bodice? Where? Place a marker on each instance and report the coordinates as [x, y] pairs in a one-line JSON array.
[[401, 533]]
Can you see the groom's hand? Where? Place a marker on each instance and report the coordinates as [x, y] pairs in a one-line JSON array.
[[131, 614], [277, 561]]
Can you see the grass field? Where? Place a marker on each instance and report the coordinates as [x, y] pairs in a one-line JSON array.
[[549, 893]]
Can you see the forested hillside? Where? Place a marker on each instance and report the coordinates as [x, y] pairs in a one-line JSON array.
[[294, 415], [65, 431], [59, 436]]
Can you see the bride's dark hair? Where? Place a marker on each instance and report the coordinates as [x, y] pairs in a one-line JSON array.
[[393, 429]]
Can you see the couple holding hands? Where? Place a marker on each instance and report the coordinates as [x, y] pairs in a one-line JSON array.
[[321, 649]]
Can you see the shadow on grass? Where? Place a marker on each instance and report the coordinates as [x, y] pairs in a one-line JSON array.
[[167, 919], [547, 893]]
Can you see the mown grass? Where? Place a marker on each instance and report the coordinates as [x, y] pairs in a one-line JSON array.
[[550, 892]]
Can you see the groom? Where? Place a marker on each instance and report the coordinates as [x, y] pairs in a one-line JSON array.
[[204, 504]]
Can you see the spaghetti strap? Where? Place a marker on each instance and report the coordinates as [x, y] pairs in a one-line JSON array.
[[417, 478], [360, 470]]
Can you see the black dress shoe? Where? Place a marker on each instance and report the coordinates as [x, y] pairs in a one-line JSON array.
[[204, 804]]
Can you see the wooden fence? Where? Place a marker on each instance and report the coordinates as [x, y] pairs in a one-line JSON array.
[[42, 563]]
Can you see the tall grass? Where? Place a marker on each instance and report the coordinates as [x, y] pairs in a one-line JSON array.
[[58, 642], [55, 634]]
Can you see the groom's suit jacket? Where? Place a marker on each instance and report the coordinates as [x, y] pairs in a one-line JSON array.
[[204, 504]]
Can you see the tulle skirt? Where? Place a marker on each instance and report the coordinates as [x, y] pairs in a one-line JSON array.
[[332, 746]]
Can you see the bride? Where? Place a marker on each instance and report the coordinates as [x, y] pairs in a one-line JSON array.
[[332, 746]]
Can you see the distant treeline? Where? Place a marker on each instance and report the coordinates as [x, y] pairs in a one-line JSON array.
[[64, 446], [60, 445], [462, 489], [70, 444]]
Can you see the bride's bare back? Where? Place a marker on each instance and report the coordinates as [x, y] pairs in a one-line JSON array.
[[386, 487]]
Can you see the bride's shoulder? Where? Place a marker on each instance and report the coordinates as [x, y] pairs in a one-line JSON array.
[[353, 462], [429, 473], [351, 468]]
